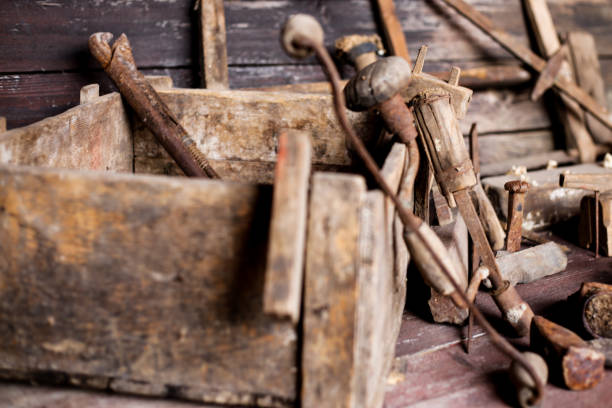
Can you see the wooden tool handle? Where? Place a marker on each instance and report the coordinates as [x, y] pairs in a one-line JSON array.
[[488, 218], [594, 182], [445, 147]]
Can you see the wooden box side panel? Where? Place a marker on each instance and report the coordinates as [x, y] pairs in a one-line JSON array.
[[330, 290], [94, 136], [238, 131], [379, 306], [145, 279]]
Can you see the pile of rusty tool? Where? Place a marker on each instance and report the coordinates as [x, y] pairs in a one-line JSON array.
[[407, 98], [422, 112]]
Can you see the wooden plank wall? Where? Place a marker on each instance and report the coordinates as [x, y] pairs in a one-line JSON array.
[[45, 59]]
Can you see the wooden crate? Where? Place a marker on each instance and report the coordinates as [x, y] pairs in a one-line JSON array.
[[154, 285]]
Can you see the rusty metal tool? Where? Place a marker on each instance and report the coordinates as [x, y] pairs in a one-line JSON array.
[[580, 366], [530, 58], [522, 381], [301, 36], [379, 87], [118, 62], [590, 310], [604, 346], [516, 203], [597, 314], [448, 156]]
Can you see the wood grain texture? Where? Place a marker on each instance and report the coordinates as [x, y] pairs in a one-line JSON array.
[[545, 203], [214, 46], [286, 246], [330, 290], [236, 125], [569, 111], [587, 70], [149, 280], [166, 34], [94, 135], [381, 295], [587, 223]]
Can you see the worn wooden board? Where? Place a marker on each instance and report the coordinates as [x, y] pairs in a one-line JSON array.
[[94, 135], [330, 290], [569, 111], [153, 283], [213, 44], [165, 33], [286, 246], [546, 203], [431, 367], [587, 70], [244, 126], [381, 296], [586, 229], [454, 236]]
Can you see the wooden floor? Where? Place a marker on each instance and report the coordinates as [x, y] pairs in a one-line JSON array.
[[431, 367]]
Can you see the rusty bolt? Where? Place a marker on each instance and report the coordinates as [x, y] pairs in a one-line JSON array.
[[516, 203]]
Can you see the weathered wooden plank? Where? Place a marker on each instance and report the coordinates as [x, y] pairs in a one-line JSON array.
[[330, 290], [529, 161], [586, 231], [454, 236], [153, 280], [546, 203], [95, 135], [165, 34], [26, 396], [569, 111], [285, 262], [213, 44], [504, 111], [587, 70], [380, 302], [235, 125], [498, 147]]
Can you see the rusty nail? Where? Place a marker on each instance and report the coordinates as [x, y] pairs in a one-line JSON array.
[[516, 203], [580, 366]]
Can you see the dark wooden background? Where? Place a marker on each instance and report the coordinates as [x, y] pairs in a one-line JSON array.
[[44, 58]]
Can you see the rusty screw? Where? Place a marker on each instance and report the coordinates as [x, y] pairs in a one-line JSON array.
[[516, 202]]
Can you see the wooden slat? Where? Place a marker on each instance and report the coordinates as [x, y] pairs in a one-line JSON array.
[[546, 203], [285, 262], [165, 34], [572, 116], [213, 43], [330, 290], [235, 125], [156, 281], [94, 135], [587, 70], [380, 302]]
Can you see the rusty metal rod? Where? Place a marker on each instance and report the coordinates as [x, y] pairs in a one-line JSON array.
[[118, 62], [410, 221]]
